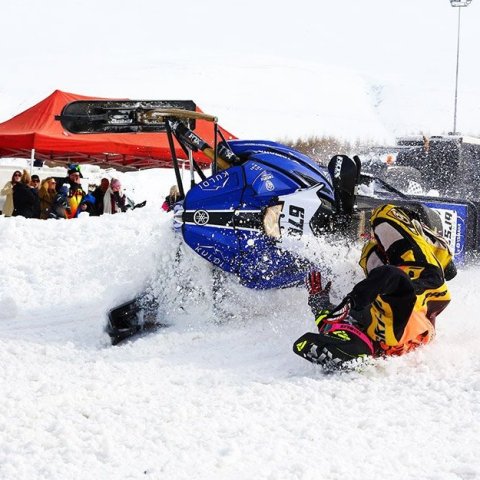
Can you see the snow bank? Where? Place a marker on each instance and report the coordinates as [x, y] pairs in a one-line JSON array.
[[218, 394]]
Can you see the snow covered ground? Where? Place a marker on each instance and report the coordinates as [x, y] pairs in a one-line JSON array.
[[218, 394]]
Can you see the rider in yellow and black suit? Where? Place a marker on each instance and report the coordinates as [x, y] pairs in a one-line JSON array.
[[406, 265], [398, 301]]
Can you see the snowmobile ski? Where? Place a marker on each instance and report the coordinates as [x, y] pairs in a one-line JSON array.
[[131, 319], [124, 116]]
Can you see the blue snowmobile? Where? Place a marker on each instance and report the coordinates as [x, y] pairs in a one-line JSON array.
[[260, 195], [239, 218]]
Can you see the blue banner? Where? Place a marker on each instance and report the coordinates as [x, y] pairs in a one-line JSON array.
[[454, 220]]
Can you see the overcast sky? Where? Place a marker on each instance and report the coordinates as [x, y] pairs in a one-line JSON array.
[[376, 36], [82, 45]]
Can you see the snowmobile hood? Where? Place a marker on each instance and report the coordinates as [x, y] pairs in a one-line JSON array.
[[291, 163]]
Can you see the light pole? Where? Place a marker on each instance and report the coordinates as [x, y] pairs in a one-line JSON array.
[[459, 4]]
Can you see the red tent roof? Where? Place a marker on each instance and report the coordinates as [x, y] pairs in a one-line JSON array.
[[36, 128]]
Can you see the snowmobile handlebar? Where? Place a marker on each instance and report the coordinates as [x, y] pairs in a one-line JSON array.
[[224, 156]]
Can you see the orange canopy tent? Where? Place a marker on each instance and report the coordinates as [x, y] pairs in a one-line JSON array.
[[35, 132]]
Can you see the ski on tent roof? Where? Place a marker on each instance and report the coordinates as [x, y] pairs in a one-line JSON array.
[[34, 133]]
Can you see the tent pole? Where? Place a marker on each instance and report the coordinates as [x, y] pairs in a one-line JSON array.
[[174, 158], [32, 159]]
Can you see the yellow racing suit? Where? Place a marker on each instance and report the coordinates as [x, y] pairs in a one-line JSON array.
[[405, 286]]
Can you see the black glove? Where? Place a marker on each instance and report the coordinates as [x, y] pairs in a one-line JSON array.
[[318, 297]]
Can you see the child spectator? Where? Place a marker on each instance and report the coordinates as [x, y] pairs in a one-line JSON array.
[[60, 207], [7, 190], [87, 205]]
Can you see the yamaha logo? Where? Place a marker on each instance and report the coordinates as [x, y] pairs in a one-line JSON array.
[[201, 217]]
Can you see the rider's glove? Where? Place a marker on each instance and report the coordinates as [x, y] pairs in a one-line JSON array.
[[335, 314], [318, 297]]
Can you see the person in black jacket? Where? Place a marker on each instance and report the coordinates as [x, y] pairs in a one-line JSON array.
[[26, 202], [99, 193]]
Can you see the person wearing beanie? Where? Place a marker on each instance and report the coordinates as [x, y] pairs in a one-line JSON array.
[[76, 192]]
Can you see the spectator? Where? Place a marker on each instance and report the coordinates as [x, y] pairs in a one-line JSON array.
[[99, 193], [87, 205], [7, 190], [47, 194], [25, 200], [114, 201], [60, 207], [72, 179], [172, 198], [35, 182], [76, 192], [36, 209]]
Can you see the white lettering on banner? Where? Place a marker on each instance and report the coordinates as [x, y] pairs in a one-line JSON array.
[[215, 183], [459, 233], [450, 226]]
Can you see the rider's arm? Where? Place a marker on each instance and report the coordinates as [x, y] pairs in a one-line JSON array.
[[387, 281]]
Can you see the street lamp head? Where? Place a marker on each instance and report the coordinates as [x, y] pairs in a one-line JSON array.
[[460, 3]]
